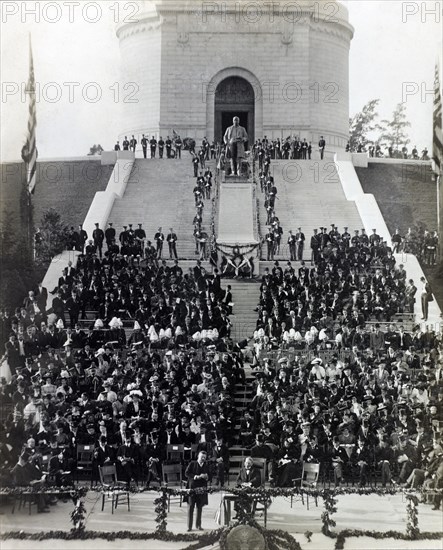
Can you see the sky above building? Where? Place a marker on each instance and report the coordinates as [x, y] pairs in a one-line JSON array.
[[77, 67]]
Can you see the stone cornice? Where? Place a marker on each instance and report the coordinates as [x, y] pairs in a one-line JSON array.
[[148, 22], [342, 30], [167, 14]]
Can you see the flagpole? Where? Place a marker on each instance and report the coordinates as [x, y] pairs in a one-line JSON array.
[[437, 154], [29, 154]]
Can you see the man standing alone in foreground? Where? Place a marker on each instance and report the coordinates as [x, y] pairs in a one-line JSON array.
[[197, 473]]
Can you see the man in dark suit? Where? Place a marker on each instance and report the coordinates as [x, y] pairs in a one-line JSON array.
[[195, 163], [13, 353], [128, 458], [153, 145], [109, 235], [159, 238], [269, 238], [103, 453], [25, 473], [126, 144], [140, 237], [73, 306], [65, 279], [58, 305], [172, 240], [168, 144], [292, 246], [197, 474], [98, 237], [82, 238], [133, 144], [220, 459], [315, 246], [321, 146], [404, 339], [144, 143], [300, 243], [41, 297], [249, 476], [161, 147], [361, 459]]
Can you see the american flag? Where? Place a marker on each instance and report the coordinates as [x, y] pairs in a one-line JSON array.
[[437, 140], [29, 150]]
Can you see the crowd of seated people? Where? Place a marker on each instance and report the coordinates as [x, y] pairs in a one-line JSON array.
[[362, 416], [351, 283], [371, 407], [77, 381]]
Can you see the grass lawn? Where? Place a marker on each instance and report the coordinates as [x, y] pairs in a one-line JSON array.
[[69, 188]]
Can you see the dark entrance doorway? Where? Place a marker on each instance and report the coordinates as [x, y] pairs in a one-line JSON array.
[[234, 96]]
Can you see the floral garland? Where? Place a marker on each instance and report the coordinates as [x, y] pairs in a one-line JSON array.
[[209, 537], [227, 249], [412, 529], [326, 517], [206, 539], [397, 535], [275, 539], [160, 508], [78, 515]]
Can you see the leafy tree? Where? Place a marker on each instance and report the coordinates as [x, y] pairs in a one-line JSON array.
[[53, 236], [394, 131], [362, 123]]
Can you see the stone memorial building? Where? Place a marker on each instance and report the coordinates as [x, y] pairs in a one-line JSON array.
[[281, 66]]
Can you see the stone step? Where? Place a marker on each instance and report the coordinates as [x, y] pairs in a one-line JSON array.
[[309, 196], [245, 296], [159, 193]]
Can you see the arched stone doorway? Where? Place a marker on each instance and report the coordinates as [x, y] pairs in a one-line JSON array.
[[234, 96]]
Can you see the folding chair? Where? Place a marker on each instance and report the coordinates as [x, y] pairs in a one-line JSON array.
[[172, 477], [194, 451], [175, 453], [22, 500], [85, 458], [50, 478], [308, 480], [112, 489]]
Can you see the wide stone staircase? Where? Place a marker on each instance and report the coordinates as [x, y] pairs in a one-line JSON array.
[[159, 194], [244, 394], [309, 195], [245, 295]]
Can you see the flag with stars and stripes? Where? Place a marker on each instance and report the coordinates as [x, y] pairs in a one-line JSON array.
[[437, 140], [29, 149]]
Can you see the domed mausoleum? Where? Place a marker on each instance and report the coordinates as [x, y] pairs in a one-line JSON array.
[[281, 66]]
